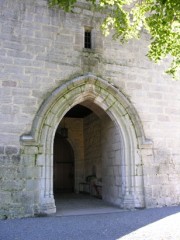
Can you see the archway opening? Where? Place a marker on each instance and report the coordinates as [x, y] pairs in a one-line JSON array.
[[123, 144], [98, 149]]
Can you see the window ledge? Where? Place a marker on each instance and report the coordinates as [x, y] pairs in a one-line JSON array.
[[89, 50]]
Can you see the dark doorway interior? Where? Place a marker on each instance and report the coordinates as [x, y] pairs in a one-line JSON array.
[[63, 165], [78, 111]]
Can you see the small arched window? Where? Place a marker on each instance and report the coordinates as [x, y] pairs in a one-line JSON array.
[[88, 38]]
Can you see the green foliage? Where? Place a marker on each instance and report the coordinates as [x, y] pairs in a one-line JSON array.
[[64, 4], [128, 18]]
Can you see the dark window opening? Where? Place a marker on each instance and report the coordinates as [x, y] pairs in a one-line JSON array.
[[87, 39]]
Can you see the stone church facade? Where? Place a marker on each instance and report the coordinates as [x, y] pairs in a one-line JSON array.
[[120, 113]]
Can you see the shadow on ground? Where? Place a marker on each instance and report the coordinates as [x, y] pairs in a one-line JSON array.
[[147, 224]]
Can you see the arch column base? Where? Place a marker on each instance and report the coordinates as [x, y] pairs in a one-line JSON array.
[[48, 206], [128, 201]]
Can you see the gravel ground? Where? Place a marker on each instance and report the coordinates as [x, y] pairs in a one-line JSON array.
[[148, 224]]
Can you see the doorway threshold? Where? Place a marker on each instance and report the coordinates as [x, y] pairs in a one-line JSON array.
[[71, 204]]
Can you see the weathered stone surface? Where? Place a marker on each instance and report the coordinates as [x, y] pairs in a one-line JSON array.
[[16, 159], [42, 49], [11, 150]]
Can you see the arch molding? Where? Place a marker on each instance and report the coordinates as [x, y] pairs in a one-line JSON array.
[[113, 102]]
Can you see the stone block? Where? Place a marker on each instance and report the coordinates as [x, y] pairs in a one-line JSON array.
[[9, 150], [35, 70], [15, 53], [3, 161], [14, 45], [138, 181], [5, 197], [31, 185], [44, 35], [26, 172], [118, 158], [118, 181], [139, 170], [42, 19], [27, 160], [16, 159], [134, 86], [12, 185], [9, 84]]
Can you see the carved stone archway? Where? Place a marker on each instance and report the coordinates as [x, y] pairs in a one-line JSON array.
[[87, 88]]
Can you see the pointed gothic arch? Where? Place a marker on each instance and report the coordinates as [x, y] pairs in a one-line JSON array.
[[111, 100]]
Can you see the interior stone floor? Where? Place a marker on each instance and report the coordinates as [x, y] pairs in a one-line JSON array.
[[82, 204]]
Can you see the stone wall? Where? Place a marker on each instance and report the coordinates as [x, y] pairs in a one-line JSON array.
[[76, 138], [41, 49], [92, 151], [112, 162]]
